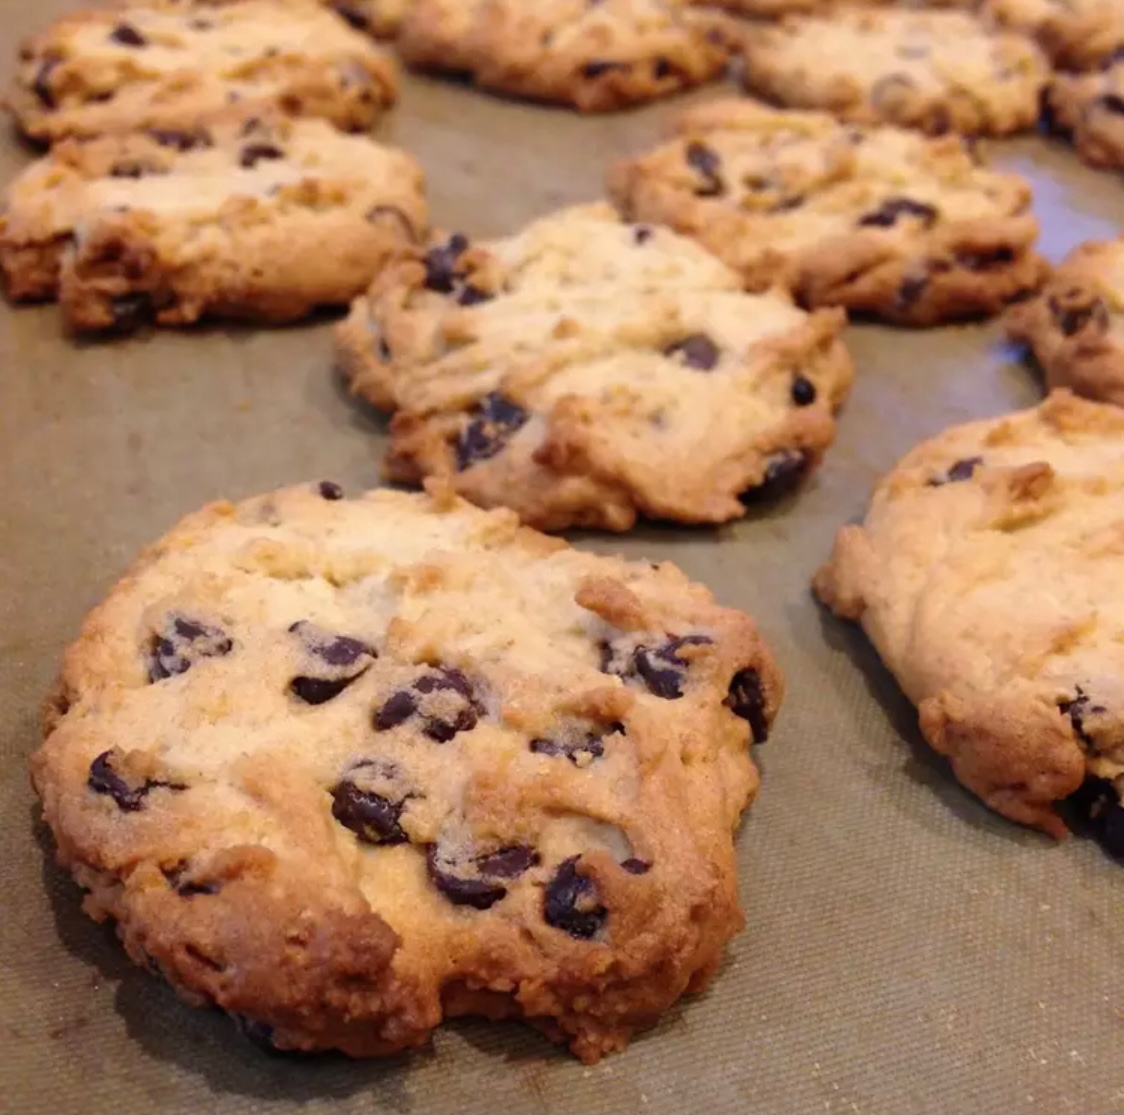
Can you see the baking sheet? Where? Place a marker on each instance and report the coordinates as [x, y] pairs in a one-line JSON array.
[[906, 951]]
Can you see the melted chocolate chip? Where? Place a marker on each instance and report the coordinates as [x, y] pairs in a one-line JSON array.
[[697, 351], [985, 261], [443, 698], [1095, 807], [475, 882], [576, 742], [495, 420], [470, 295], [134, 169], [636, 866], [509, 862], [662, 68], [1111, 102], [707, 163], [373, 817], [41, 86], [441, 273], [641, 234], [803, 391], [661, 668], [254, 153], [103, 779], [571, 902], [1075, 309], [187, 888], [127, 35], [746, 698], [339, 652], [910, 292], [318, 691], [355, 15], [130, 310], [1077, 709], [783, 472], [599, 69], [397, 709], [892, 208], [181, 643], [958, 472], [329, 489]]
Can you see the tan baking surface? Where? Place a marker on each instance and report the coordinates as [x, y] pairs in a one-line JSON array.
[[906, 950]]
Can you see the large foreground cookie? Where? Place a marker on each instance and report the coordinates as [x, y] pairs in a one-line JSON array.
[[261, 217], [586, 371], [882, 221], [1075, 327], [344, 767], [934, 70], [171, 63], [985, 576], [1075, 34], [1089, 108], [594, 56]]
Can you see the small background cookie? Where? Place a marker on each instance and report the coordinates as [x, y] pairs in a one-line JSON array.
[[1089, 108], [937, 71], [1075, 327], [1075, 34], [882, 221]]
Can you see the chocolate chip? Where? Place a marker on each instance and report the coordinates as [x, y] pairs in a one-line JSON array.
[[697, 350], [892, 208], [443, 698], [803, 391], [580, 745], [958, 472], [181, 643], [135, 169], [661, 668], [41, 86], [783, 472], [339, 652], [318, 691], [1077, 709], [353, 13], [984, 261], [662, 68], [130, 310], [495, 420], [374, 817], [598, 69], [1111, 102], [254, 153], [470, 295], [636, 866], [329, 489], [103, 779], [571, 902], [1096, 807], [707, 162], [474, 882], [187, 888], [1075, 309], [910, 291], [179, 140], [127, 35], [641, 234], [441, 264], [746, 698]]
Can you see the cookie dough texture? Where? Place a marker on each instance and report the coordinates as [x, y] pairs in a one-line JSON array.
[[594, 57], [173, 63], [1089, 109], [1075, 34], [256, 217], [343, 767], [586, 371], [879, 220], [1075, 327], [982, 575], [937, 71]]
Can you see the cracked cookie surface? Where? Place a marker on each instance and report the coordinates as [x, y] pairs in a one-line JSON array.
[[344, 767], [980, 574], [586, 371], [879, 220], [595, 55], [261, 217], [175, 63]]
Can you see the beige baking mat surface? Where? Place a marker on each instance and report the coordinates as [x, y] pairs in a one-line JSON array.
[[906, 950]]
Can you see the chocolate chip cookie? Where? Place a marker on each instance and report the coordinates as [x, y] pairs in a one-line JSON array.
[[595, 55], [1075, 34], [1075, 327], [173, 63], [937, 71], [344, 767], [260, 217], [588, 370], [982, 575], [1089, 109], [880, 220]]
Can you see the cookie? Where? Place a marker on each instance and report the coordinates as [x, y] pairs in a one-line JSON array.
[[982, 575], [173, 63], [381, 18], [592, 56], [587, 371], [1089, 109], [255, 217], [937, 71], [1075, 34], [1075, 327], [343, 767], [880, 220]]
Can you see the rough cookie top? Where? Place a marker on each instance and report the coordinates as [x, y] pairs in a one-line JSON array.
[[332, 763], [930, 69], [982, 574], [1089, 107], [1075, 34], [172, 63], [592, 349]]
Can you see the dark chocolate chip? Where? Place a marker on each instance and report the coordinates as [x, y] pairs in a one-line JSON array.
[[911, 290], [707, 163], [783, 472], [1096, 808], [641, 234], [1075, 309], [134, 169], [474, 882], [599, 69], [661, 668], [494, 421], [127, 35], [1111, 102], [470, 295], [958, 472], [892, 208], [509, 862], [697, 350], [181, 643], [746, 698], [580, 745], [41, 86], [254, 153], [1077, 709], [662, 68], [984, 261], [397, 709], [803, 391], [441, 264], [374, 818], [103, 779], [443, 698], [179, 140], [353, 13], [187, 888], [636, 866], [340, 652], [329, 489], [571, 902], [318, 691], [130, 310]]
